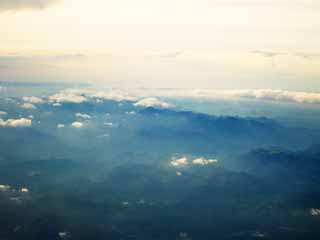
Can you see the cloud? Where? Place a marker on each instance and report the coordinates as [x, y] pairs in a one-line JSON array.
[[110, 124], [83, 95], [152, 102], [150, 97], [2, 89], [28, 106], [277, 95], [4, 188], [81, 115], [24, 190], [2, 113], [130, 112], [60, 125], [315, 211], [64, 235], [179, 162], [308, 56], [77, 124], [22, 122], [111, 94], [184, 161], [269, 54], [67, 57], [25, 4], [167, 55], [257, 94], [203, 161], [34, 100], [68, 96]]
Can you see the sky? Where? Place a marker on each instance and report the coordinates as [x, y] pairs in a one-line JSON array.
[[168, 43]]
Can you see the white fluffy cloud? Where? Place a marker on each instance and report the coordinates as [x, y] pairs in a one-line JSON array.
[[152, 102], [22, 122], [179, 162], [82, 115], [67, 96], [2, 113], [28, 106], [77, 124], [203, 161], [184, 161], [60, 125]]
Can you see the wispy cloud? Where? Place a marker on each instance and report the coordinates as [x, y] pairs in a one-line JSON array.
[[269, 54], [168, 55], [34, 100], [308, 56], [315, 211], [25, 4]]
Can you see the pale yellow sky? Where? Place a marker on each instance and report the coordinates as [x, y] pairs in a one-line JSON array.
[[208, 41], [118, 24]]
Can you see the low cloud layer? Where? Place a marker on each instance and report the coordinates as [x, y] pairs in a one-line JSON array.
[[25, 4], [277, 95], [83, 95], [151, 97], [22, 122], [257, 94]]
